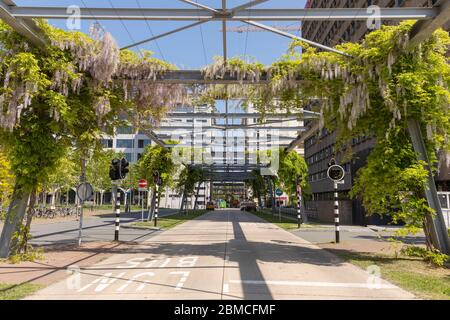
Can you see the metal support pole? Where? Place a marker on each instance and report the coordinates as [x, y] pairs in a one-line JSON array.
[[336, 212], [82, 180], [299, 204], [279, 209], [156, 205], [117, 211], [142, 206], [439, 231]]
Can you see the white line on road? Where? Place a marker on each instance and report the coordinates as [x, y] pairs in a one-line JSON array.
[[315, 284]]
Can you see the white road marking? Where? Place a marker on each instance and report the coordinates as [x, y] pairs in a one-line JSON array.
[[315, 284], [165, 263], [226, 288], [185, 275], [141, 287]]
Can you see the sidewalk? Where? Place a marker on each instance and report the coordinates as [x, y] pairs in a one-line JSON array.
[[56, 260]]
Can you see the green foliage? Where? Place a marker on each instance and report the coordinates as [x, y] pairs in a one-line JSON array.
[[434, 257], [6, 180], [371, 91], [97, 169], [156, 158], [292, 165], [65, 174], [21, 249], [188, 179]]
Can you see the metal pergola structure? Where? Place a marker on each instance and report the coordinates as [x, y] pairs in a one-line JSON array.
[[429, 19]]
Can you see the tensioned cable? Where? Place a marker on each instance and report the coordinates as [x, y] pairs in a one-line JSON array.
[[246, 37], [90, 12], [203, 40], [126, 29], [151, 32]]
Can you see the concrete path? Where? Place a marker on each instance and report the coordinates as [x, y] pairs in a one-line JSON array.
[[223, 255], [95, 228]]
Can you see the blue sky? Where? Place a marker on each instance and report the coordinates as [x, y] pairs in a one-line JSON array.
[[185, 49]]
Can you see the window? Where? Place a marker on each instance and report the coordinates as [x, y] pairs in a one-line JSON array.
[[129, 157], [125, 130], [107, 143], [125, 143], [142, 143]]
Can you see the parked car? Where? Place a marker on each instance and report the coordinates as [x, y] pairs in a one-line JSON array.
[[248, 206], [210, 206]]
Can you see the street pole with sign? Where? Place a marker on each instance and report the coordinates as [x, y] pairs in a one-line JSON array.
[[336, 173], [299, 203], [117, 171], [84, 192], [142, 188], [279, 193], [158, 182]]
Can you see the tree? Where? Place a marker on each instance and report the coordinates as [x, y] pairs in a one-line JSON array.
[[66, 95], [97, 169], [258, 186], [188, 179], [156, 158], [292, 167]]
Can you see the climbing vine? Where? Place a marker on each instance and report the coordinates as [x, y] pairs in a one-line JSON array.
[[370, 91]]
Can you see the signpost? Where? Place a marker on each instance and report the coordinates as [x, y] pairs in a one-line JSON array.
[[142, 188], [84, 192], [299, 203], [279, 193], [336, 173], [158, 182]]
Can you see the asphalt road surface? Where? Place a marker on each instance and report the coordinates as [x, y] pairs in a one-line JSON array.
[[225, 254], [95, 228]]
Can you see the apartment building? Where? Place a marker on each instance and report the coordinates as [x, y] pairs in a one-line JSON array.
[[320, 148]]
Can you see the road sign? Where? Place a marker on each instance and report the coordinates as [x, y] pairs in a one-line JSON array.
[[143, 183], [336, 173], [85, 191], [278, 192]]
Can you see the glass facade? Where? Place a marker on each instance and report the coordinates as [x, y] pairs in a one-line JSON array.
[[125, 143]]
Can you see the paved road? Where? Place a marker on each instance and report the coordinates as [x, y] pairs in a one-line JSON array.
[[223, 255], [95, 228]]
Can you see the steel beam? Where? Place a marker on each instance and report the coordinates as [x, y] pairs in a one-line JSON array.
[[424, 29], [291, 36], [419, 33], [439, 230], [302, 137], [196, 77], [24, 28], [308, 14], [242, 115]]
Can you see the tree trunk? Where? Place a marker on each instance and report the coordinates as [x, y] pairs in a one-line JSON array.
[[183, 197], [259, 200], [30, 213], [196, 195], [14, 217], [152, 205], [427, 229], [272, 198]]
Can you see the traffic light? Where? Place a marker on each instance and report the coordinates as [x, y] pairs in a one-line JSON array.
[[114, 170], [118, 169], [124, 164]]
